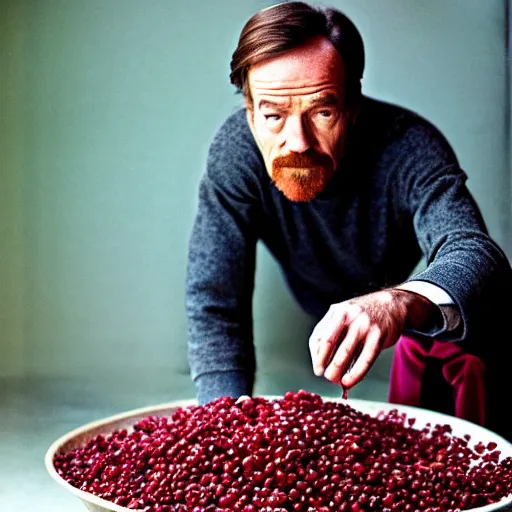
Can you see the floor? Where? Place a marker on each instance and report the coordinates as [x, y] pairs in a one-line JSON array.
[[36, 412]]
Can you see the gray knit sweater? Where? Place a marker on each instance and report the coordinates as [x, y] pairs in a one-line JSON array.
[[398, 193]]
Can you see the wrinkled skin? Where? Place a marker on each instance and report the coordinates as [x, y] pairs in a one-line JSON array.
[[347, 341]]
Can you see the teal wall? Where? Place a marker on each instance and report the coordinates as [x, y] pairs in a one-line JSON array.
[[107, 109]]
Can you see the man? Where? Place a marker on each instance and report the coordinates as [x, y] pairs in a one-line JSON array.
[[347, 193]]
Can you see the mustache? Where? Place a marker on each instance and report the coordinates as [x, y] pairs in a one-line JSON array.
[[308, 159]]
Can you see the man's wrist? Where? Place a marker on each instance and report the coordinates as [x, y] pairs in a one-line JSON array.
[[448, 310], [234, 383], [422, 314]]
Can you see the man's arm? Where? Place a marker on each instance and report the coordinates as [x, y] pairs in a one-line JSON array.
[[220, 272], [461, 257], [349, 338], [430, 188]]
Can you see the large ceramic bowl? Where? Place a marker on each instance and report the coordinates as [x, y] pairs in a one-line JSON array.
[[80, 436]]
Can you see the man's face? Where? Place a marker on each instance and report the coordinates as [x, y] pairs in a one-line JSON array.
[[296, 117]]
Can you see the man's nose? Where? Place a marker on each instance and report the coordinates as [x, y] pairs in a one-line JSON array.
[[297, 137]]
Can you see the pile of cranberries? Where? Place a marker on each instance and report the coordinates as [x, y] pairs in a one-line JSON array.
[[298, 453]]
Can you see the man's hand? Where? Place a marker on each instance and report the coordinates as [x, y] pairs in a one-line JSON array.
[[346, 342]]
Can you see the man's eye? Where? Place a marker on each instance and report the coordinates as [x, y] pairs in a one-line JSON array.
[[325, 113], [272, 117]]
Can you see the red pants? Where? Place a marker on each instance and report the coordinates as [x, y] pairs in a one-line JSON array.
[[464, 372]]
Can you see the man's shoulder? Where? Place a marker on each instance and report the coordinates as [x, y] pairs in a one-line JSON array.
[[237, 120], [397, 119], [392, 114], [406, 128], [233, 156], [234, 132]]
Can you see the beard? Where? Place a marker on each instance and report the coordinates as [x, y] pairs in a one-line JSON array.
[[302, 176]]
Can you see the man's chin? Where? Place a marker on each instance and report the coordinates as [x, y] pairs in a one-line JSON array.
[[300, 191]]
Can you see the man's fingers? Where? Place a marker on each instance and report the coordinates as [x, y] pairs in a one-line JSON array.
[[344, 354], [364, 362], [327, 350], [324, 340], [314, 343]]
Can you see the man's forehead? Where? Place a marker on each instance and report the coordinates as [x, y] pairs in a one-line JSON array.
[[326, 96], [311, 68]]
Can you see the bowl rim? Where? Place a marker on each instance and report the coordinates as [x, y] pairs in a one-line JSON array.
[[62, 440], [367, 406]]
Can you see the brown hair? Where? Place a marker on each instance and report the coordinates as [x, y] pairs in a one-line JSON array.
[[277, 29]]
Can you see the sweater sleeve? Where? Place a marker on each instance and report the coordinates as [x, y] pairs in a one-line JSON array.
[[461, 257], [221, 265]]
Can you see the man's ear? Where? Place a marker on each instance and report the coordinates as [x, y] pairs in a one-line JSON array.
[[249, 113], [248, 103]]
